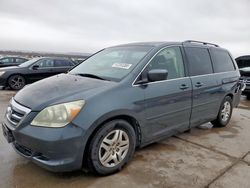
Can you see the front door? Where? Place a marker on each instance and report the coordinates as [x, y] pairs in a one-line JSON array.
[[43, 68], [168, 102]]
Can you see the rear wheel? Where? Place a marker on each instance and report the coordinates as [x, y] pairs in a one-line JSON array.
[[112, 147], [16, 82], [224, 114]]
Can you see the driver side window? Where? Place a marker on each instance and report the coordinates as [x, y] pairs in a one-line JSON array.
[[169, 59]]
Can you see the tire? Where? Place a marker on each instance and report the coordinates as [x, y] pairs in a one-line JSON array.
[[225, 113], [119, 139], [16, 82]]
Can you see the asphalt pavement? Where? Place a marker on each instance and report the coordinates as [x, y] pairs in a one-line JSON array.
[[216, 157]]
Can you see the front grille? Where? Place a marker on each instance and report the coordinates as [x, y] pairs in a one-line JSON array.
[[16, 113], [27, 152], [245, 79], [245, 73]]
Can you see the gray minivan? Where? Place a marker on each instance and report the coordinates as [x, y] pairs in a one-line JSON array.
[[120, 99]]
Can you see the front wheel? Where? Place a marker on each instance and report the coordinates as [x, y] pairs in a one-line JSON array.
[[16, 82], [112, 147], [224, 114]]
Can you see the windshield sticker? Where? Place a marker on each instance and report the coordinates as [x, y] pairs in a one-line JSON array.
[[122, 65]]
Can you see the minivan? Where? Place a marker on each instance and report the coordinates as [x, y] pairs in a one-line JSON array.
[[119, 99]]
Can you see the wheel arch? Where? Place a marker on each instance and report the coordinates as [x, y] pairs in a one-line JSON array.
[[101, 121], [230, 95], [15, 74]]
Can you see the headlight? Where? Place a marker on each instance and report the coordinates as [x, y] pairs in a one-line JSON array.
[[1, 73], [58, 115]]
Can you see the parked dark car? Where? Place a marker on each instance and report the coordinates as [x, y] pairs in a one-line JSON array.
[[79, 60], [11, 61], [33, 70], [120, 99], [244, 66]]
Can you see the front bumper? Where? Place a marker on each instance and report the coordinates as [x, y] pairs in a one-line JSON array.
[[247, 89], [246, 82], [55, 149]]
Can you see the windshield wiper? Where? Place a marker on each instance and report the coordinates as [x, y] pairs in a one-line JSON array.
[[91, 76]]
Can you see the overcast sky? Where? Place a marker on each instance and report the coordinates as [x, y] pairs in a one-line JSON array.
[[90, 25]]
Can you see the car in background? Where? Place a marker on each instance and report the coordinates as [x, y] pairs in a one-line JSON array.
[[11, 61], [33, 70], [244, 67], [79, 60]]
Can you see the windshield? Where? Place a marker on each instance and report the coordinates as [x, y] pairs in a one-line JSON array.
[[28, 63], [112, 63], [243, 63]]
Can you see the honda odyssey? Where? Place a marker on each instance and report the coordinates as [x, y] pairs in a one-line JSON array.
[[121, 98]]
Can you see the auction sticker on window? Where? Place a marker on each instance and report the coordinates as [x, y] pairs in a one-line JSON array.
[[122, 65]]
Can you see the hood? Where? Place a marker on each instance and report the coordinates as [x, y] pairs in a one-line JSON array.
[[58, 89], [245, 71]]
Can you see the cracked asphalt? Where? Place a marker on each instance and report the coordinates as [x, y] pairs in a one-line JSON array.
[[217, 157]]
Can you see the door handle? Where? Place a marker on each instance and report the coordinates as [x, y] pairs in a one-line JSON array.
[[183, 86], [199, 84]]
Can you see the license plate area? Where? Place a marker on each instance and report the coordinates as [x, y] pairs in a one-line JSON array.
[[8, 134]]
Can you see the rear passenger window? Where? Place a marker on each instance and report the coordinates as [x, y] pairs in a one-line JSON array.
[[222, 61], [62, 63], [169, 59], [199, 61]]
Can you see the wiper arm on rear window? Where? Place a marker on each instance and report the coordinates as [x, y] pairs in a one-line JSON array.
[[91, 76]]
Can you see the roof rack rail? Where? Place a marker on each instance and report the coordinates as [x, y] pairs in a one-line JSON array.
[[205, 43]]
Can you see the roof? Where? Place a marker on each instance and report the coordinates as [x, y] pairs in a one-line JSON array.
[[153, 44], [166, 43], [12, 56], [61, 58]]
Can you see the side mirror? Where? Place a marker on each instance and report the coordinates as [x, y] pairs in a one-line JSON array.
[[157, 75], [35, 67]]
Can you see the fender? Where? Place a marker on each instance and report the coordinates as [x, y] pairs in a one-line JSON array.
[[111, 115]]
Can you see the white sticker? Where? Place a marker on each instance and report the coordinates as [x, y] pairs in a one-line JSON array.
[[122, 65]]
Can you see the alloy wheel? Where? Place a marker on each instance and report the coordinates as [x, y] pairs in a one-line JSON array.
[[225, 112], [17, 82], [114, 148]]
